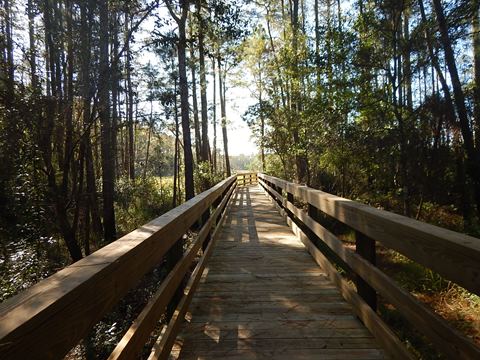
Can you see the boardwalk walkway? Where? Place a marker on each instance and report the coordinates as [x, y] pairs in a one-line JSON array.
[[263, 297]]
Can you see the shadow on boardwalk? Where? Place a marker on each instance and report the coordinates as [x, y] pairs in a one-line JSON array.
[[263, 297]]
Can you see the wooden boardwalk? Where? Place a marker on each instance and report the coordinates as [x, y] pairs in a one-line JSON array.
[[262, 296]]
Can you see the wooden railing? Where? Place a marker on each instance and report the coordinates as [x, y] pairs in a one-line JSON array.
[[50, 318], [247, 178], [454, 256]]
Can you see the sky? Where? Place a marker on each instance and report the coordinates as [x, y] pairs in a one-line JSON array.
[[240, 136], [238, 99]]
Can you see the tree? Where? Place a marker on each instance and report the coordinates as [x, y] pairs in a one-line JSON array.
[[473, 153], [183, 85]]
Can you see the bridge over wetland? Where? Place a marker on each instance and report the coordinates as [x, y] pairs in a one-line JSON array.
[[260, 280]]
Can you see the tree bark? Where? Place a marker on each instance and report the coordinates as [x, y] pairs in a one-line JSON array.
[[33, 50], [214, 150], [196, 124], [203, 85], [476, 67], [183, 85], [175, 157], [108, 180], [115, 82], [473, 158], [223, 112], [86, 10], [300, 160], [128, 68]]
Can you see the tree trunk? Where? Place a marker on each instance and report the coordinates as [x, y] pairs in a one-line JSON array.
[[407, 71], [108, 180], [203, 85], [10, 71], [214, 151], [223, 112], [300, 160], [317, 45], [175, 157], [262, 118], [115, 82], [476, 66], [473, 159], [196, 124], [86, 14], [149, 136], [184, 105], [128, 68], [33, 49]]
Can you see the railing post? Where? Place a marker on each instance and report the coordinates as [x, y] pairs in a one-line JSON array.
[[205, 217], [173, 256], [217, 202], [365, 247], [313, 212], [290, 198]]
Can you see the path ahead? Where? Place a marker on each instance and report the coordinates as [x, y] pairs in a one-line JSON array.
[[263, 297]]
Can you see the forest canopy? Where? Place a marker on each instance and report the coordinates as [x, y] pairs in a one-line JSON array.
[[100, 100], [113, 112]]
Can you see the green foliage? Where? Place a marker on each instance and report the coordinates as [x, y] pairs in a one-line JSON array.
[[141, 200], [205, 177], [244, 162]]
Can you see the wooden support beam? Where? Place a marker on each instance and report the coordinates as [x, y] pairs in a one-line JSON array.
[[132, 343], [444, 337], [453, 255], [365, 247], [48, 319]]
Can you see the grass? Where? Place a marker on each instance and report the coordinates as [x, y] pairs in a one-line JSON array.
[[458, 306]]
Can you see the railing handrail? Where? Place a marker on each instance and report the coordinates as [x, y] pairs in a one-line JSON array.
[[49, 318], [405, 235], [439, 249], [243, 175]]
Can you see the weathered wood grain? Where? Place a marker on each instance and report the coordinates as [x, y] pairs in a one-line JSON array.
[[453, 255], [372, 321], [444, 337], [47, 320], [165, 342], [262, 296], [132, 343]]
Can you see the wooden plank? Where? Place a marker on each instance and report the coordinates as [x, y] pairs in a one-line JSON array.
[[365, 247], [316, 293], [287, 354], [164, 343], [137, 335], [53, 315], [453, 255], [249, 294], [445, 338], [197, 347], [268, 298], [266, 317], [277, 327], [339, 307], [281, 286], [371, 320], [288, 330]]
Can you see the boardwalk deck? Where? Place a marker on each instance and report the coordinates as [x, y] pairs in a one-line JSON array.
[[263, 297]]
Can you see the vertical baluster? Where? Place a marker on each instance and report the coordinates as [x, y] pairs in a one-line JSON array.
[[173, 256], [365, 247]]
